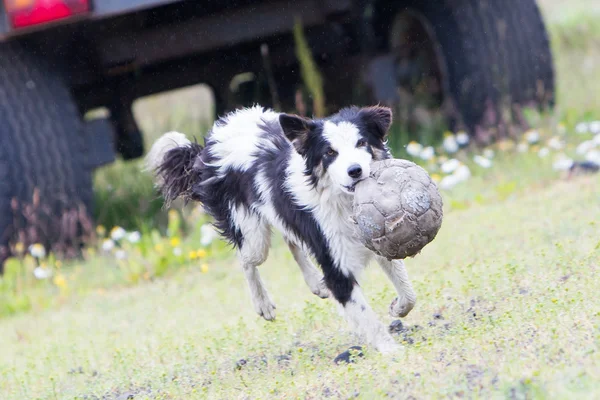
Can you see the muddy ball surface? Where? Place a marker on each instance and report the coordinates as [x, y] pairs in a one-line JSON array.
[[398, 209]]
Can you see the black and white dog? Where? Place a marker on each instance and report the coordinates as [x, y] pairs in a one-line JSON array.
[[260, 169]]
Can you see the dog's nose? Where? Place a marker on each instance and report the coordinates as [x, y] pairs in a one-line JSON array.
[[355, 171]]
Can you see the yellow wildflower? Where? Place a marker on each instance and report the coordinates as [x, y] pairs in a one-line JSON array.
[[201, 253], [175, 241], [193, 255], [60, 281], [19, 248], [101, 230], [204, 268]]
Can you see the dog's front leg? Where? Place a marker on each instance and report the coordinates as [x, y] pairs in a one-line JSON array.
[[312, 277], [396, 272], [359, 314]]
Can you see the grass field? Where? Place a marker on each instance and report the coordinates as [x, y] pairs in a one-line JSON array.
[[507, 301], [507, 307]]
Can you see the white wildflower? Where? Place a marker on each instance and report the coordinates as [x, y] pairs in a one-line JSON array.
[[37, 250], [522, 147], [134, 237], [596, 139], [117, 233], [108, 245], [120, 254], [543, 152], [483, 162], [582, 128], [427, 154], [450, 144], [414, 148], [555, 143], [488, 153], [42, 273], [462, 173], [462, 138], [450, 166], [593, 156], [532, 136], [594, 127], [207, 234], [562, 164], [177, 251], [585, 146], [448, 182]]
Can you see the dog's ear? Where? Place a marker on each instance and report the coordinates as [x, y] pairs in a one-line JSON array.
[[377, 119], [296, 129]]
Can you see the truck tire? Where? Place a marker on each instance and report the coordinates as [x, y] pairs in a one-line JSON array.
[[42, 151], [490, 54]]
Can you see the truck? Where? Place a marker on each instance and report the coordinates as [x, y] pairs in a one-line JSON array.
[[472, 60]]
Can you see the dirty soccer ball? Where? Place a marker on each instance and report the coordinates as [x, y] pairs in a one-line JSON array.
[[398, 209]]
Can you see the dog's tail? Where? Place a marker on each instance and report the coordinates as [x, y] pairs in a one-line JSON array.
[[171, 159]]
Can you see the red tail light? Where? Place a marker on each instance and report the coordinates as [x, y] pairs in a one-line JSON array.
[[22, 13]]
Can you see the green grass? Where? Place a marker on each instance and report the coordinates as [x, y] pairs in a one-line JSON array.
[[515, 283]]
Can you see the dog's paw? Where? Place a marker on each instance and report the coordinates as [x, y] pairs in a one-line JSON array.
[[265, 308], [401, 307], [320, 289]]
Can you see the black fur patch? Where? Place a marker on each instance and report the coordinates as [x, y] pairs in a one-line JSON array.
[[315, 154], [372, 124], [176, 173], [220, 193]]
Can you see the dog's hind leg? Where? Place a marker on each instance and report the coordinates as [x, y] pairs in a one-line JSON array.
[[312, 276], [253, 249], [396, 272]]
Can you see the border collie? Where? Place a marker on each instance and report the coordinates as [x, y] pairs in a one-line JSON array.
[[260, 169]]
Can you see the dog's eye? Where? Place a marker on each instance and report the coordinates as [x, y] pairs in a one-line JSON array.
[[331, 152], [361, 143]]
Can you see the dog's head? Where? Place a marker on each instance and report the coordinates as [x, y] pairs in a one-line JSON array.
[[342, 146]]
